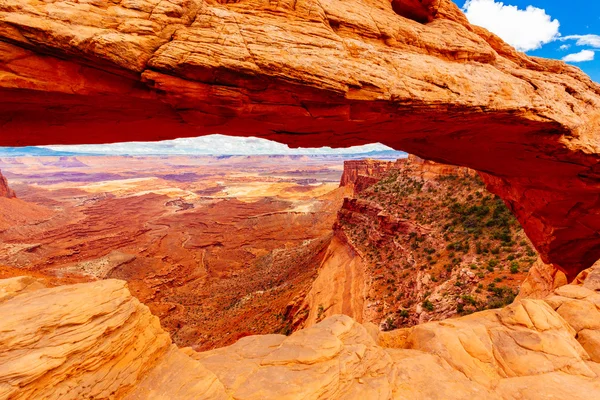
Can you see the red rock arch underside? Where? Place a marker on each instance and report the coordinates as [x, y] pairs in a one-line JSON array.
[[412, 74]]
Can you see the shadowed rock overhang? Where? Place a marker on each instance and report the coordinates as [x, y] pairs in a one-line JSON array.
[[412, 74]]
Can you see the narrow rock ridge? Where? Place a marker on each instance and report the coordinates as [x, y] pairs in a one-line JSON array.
[[94, 340], [414, 75]]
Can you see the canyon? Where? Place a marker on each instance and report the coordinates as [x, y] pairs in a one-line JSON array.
[[216, 302], [311, 300], [215, 246], [468, 270], [221, 254]]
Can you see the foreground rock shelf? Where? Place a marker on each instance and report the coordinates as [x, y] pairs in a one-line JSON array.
[[95, 340]]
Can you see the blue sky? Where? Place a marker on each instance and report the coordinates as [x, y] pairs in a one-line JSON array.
[[568, 30]]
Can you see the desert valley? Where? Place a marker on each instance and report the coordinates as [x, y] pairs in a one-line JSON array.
[[357, 199], [225, 247], [216, 246]]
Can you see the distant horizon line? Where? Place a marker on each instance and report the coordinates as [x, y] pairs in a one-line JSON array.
[[75, 154], [161, 151]]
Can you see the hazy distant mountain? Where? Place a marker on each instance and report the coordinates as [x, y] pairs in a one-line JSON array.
[[377, 154], [34, 152], [211, 145]]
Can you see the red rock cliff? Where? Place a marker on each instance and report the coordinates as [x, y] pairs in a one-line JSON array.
[[5, 191], [360, 174], [411, 74], [429, 169]]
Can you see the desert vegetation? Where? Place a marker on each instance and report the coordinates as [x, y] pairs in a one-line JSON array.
[[435, 247]]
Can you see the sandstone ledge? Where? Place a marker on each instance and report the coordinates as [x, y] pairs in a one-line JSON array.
[[95, 340]]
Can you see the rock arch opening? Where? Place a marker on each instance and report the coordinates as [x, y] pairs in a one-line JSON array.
[[445, 91]]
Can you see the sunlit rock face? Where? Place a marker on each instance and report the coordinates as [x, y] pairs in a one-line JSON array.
[[360, 174], [419, 241], [5, 190], [94, 340], [412, 74]]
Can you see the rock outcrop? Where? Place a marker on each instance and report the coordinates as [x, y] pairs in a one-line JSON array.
[[427, 169], [81, 341], [341, 286], [423, 241], [6, 191], [360, 174], [541, 281], [414, 75], [94, 340]]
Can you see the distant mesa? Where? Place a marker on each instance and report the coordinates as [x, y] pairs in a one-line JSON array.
[[33, 151], [65, 162]]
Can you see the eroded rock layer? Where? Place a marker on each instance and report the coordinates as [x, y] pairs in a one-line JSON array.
[[360, 174], [94, 340], [414, 75]]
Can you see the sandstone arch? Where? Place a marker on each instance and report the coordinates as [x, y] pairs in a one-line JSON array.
[[315, 72]]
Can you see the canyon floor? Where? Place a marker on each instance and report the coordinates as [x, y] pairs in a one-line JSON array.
[[215, 246]]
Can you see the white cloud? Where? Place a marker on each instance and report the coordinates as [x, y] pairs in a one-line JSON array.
[[211, 145], [584, 40], [583, 55], [525, 30], [565, 47]]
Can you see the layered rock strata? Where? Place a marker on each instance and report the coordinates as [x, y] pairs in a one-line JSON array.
[[360, 174]]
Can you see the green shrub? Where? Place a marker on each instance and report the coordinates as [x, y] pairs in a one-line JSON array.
[[428, 305], [469, 299], [389, 324]]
